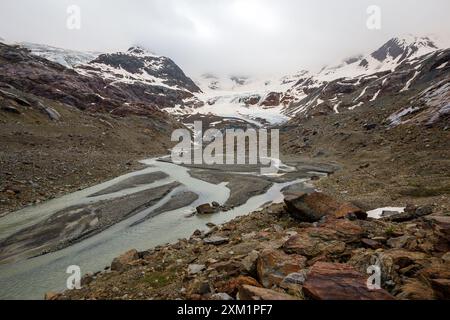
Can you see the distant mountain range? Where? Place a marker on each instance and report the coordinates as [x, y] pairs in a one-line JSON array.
[[401, 64]]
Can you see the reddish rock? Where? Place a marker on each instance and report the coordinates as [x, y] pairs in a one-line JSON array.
[[125, 259], [312, 244], [314, 206], [334, 281], [232, 286], [345, 230], [274, 265], [372, 244], [229, 267], [247, 292]]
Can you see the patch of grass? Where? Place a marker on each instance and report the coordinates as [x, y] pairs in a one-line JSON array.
[[159, 279], [389, 231], [423, 192]]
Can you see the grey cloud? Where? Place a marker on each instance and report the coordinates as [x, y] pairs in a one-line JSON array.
[[225, 36]]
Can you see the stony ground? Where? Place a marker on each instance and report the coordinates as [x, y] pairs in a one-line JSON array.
[[273, 254], [380, 166]]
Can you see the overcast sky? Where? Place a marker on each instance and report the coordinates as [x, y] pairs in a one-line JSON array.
[[226, 36]]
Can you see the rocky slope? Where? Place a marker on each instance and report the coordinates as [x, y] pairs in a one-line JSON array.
[[313, 247], [62, 130]]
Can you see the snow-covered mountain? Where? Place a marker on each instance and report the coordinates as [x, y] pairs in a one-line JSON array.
[[157, 77], [386, 58], [399, 65], [65, 57], [139, 65]]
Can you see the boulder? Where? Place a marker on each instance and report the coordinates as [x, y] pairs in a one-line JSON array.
[[274, 265], [194, 269], [247, 292], [125, 259], [205, 209], [314, 206], [334, 281]]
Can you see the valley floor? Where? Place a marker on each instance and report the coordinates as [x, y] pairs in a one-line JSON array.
[[41, 159]]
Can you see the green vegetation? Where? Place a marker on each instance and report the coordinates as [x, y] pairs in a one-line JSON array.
[[159, 279]]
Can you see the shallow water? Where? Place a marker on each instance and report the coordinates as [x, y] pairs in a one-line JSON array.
[[30, 279]]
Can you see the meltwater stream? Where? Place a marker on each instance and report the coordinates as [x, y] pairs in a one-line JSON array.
[[31, 278]]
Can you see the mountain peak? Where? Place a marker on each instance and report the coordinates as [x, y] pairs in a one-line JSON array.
[[404, 47], [140, 52]]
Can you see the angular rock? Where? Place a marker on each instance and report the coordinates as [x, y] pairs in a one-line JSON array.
[[50, 112], [195, 268], [372, 244], [274, 265], [297, 278], [441, 224], [410, 213], [310, 245], [247, 292], [122, 261], [346, 230], [314, 206], [334, 281], [249, 262], [229, 267], [400, 242], [205, 209], [232, 286], [216, 240], [221, 296]]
